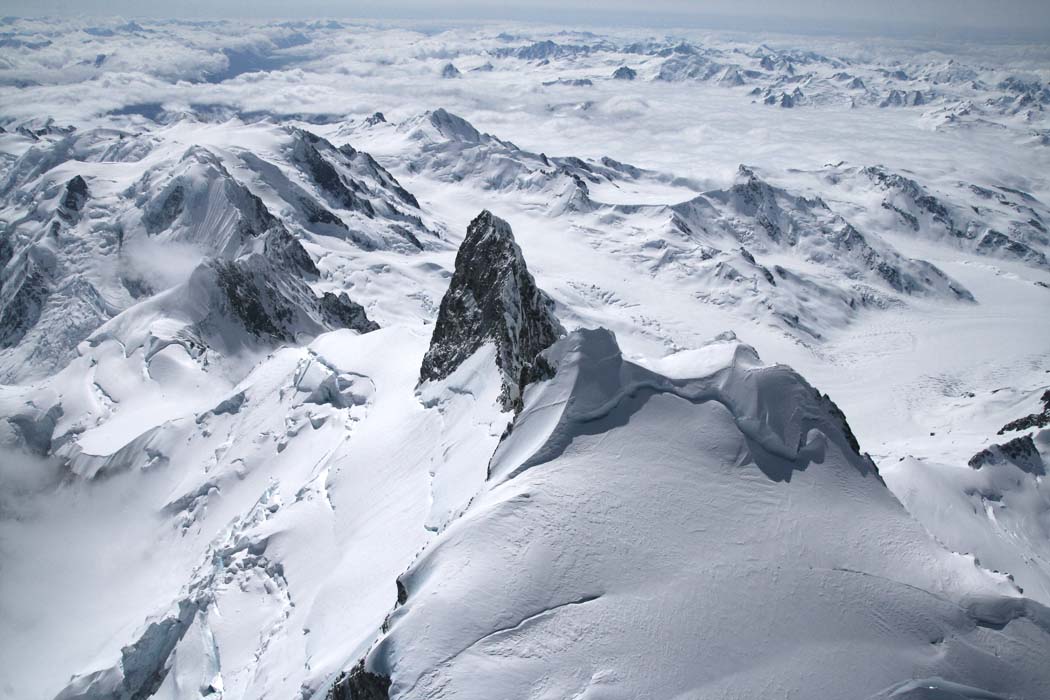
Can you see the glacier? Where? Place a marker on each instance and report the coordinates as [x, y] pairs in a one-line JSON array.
[[354, 360]]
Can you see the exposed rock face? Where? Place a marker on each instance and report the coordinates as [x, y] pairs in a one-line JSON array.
[[165, 210], [454, 127], [35, 427], [272, 304], [544, 51], [76, 194], [810, 226], [903, 98], [995, 242], [338, 311], [352, 180], [326, 177], [450, 71], [359, 684], [625, 73], [25, 292], [366, 166], [915, 196], [204, 205], [285, 250], [1034, 420], [1020, 451], [492, 298], [142, 666]]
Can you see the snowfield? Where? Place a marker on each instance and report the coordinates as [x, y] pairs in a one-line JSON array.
[[358, 361], [715, 536]]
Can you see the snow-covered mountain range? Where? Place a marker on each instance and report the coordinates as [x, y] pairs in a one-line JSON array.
[[350, 361]]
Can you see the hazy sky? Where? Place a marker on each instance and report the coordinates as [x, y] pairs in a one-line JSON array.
[[1023, 18]]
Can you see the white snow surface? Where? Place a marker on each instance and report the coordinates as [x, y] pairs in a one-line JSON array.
[[712, 537], [199, 510]]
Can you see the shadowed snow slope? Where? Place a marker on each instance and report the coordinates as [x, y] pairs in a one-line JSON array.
[[254, 406], [716, 536]]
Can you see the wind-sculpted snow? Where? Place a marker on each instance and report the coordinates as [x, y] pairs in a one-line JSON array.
[[639, 528], [281, 416], [773, 407], [263, 502]]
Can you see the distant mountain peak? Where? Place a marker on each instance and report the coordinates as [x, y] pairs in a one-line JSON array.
[[453, 127]]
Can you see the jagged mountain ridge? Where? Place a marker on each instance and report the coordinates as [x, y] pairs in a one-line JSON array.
[[452, 149], [493, 298], [87, 252], [712, 236], [789, 78], [236, 500], [753, 212]]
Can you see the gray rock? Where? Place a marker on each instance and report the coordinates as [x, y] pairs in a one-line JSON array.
[[326, 177], [338, 311], [272, 303], [1040, 419], [1021, 452], [76, 195], [359, 684], [493, 298]]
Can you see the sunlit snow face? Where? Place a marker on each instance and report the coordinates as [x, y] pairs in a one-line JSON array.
[[228, 451]]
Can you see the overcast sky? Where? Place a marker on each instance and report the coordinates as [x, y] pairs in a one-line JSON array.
[[1021, 18]]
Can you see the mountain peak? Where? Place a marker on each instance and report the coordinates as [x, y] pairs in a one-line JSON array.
[[454, 127], [492, 298]]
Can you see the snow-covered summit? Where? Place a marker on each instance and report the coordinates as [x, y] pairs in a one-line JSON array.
[[629, 510], [282, 417], [97, 221]]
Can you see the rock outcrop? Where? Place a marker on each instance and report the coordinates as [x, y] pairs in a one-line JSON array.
[[75, 197], [359, 684], [269, 303], [493, 299], [1020, 451], [1040, 419]]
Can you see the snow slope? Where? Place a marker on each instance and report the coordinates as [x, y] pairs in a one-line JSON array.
[[713, 535], [227, 251]]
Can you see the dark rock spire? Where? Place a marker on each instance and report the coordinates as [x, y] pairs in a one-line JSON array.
[[492, 298]]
